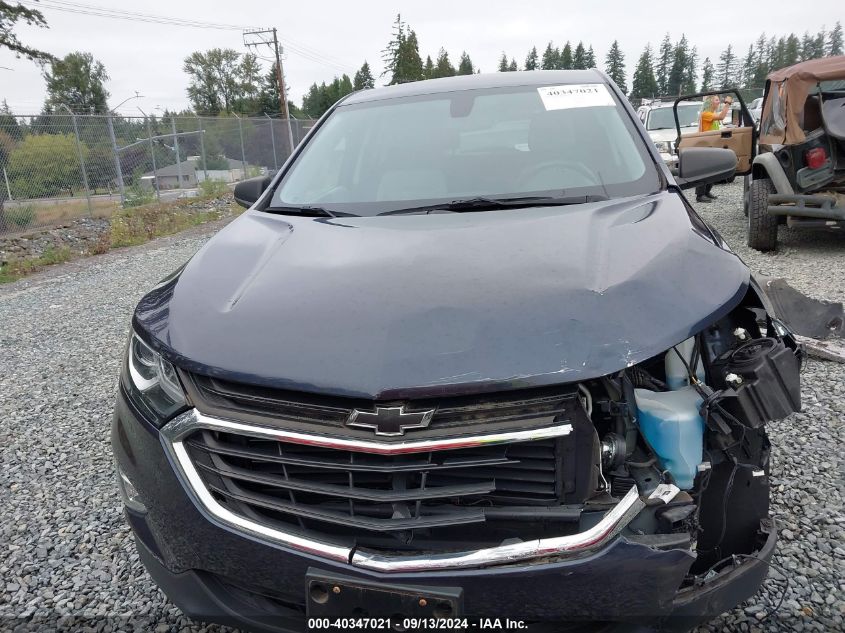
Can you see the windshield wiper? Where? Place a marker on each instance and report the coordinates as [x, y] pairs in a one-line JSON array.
[[307, 210], [483, 203]]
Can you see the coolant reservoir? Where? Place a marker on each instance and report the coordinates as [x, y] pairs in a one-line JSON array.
[[671, 424], [677, 375]]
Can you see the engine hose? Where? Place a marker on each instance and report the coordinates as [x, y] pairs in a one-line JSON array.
[[630, 427]]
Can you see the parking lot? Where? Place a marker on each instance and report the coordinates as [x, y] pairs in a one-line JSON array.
[[66, 556]]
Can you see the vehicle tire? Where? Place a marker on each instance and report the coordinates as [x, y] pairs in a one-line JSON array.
[[762, 228]]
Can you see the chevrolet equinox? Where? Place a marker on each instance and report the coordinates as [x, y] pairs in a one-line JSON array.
[[469, 354]]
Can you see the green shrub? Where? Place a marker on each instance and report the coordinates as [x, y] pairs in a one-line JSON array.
[[138, 195], [212, 188], [21, 217]]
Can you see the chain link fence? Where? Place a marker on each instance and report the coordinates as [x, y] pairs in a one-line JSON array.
[[59, 166]]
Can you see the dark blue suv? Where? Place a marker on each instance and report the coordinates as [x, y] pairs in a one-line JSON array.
[[470, 354]]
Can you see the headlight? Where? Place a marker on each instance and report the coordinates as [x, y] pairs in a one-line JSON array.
[[151, 381], [664, 147]]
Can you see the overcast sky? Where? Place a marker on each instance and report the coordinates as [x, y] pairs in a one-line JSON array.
[[339, 36]]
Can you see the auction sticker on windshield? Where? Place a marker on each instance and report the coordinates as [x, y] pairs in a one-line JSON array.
[[575, 96]]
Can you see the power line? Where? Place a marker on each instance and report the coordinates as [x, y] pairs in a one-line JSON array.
[[135, 16]]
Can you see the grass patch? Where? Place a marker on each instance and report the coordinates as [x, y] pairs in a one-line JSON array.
[[20, 217], [18, 268], [128, 227], [212, 188], [142, 224]]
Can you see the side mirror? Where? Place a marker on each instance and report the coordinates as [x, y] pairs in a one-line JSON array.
[[698, 166], [248, 191]]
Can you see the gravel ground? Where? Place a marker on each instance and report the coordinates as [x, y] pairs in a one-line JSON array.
[[66, 557]]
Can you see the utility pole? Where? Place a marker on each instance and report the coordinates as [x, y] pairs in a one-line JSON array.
[[283, 95], [262, 37]]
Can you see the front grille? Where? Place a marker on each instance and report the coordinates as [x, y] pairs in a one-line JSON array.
[[352, 495], [313, 413]]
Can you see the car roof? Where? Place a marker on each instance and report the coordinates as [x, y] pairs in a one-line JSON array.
[[668, 104], [478, 82]]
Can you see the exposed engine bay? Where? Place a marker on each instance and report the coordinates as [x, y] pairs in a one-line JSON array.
[[696, 417]]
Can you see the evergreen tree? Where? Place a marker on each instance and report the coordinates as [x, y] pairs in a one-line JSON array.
[[707, 72], [690, 72], [727, 69], [777, 53], [409, 66], [465, 66], [792, 53], [503, 63], [268, 98], [428, 69], [679, 66], [664, 64], [761, 68], [566, 56], [9, 15], [579, 59], [615, 66], [819, 44], [644, 85], [512, 66], [363, 78], [9, 124], [531, 59], [443, 67], [834, 41], [550, 58], [590, 58], [807, 47], [390, 53], [749, 67]]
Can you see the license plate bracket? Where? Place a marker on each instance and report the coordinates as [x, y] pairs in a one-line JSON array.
[[337, 596]]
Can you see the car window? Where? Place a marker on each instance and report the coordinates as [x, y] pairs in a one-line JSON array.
[[775, 123], [373, 157], [664, 118]]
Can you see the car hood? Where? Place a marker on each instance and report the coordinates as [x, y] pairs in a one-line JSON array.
[[422, 305]]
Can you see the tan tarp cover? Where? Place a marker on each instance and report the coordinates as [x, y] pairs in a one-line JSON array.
[[792, 85]]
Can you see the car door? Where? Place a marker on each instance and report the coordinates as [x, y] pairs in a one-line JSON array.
[[740, 138]]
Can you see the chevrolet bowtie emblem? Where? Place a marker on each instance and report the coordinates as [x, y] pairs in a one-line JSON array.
[[390, 420]]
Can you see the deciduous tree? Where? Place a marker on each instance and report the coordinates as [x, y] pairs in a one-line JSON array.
[[45, 165], [77, 80]]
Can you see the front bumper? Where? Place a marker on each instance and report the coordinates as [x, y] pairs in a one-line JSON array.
[[217, 573]]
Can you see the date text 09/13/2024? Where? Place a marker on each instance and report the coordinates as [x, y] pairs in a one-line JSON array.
[[416, 623]]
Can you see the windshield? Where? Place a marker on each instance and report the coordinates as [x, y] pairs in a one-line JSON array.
[[381, 156], [664, 119]]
